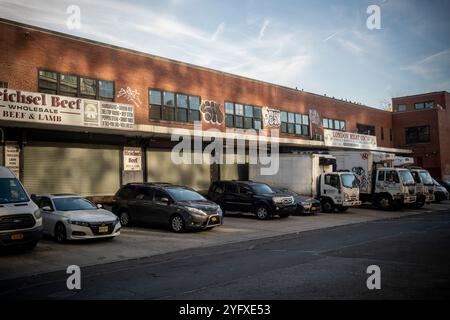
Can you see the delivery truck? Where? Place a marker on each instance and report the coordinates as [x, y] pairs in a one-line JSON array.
[[380, 183], [313, 175]]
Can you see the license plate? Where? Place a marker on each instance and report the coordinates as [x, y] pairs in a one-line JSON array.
[[214, 219], [17, 236], [314, 209], [103, 229]]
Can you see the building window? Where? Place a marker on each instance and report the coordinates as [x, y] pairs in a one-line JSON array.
[[295, 123], [334, 124], [3, 84], [365, 129], [243, 116], [424, 105], [401, 108], [170, 106], [417, 135], [75, 86]]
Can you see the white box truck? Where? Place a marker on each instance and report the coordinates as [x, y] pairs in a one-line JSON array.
[[380, 183], [312, 175]]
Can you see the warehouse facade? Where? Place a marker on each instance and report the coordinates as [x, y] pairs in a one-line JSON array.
[[84, 117]]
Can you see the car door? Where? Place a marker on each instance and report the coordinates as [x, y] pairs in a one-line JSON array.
[[231, 197], [144, 207], [162, 208], [245, 198], [332, 185], [49, 217]]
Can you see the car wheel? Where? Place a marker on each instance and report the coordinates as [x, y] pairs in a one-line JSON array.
[[327, 206], [60, 233], [177, 223], [262, 212], [124, 219], [384, 202]]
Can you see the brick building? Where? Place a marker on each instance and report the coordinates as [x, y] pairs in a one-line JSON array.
[[75, 111], [422, 123]]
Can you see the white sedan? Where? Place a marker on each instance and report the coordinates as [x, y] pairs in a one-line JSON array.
[[71, 217]]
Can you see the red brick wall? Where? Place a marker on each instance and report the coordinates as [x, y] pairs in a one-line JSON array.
[[23, 51]]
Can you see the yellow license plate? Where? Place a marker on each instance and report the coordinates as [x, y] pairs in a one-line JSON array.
[[214, 219], [103, 229], [17, 236]]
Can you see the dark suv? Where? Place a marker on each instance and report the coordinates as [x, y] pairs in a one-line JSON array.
[[165, 204], [254, 197]]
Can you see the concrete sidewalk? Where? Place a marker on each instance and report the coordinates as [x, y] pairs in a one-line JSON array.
[[145, 242]]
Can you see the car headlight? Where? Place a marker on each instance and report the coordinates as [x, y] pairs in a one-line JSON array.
[[37, 214], [79, 223], [196, 211]]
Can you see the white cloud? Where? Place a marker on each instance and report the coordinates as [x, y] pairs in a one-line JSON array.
[[262, 31], [218, 32], [434, 66]]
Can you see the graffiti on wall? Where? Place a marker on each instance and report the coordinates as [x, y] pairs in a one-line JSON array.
[[131, 95], [211, 112], [271, 117], [314, 117], [363, 180]]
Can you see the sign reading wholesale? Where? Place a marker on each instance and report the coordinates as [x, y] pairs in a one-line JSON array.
[[17, 105], [349, 140]]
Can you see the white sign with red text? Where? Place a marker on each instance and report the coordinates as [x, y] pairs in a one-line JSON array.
[[342, 139], [17, 105], [132, 159]]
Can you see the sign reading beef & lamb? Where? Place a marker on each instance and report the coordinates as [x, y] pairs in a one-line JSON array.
[[334, 138], [17, 105]]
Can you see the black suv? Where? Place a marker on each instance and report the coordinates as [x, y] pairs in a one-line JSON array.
[[254, 197], [165, 204]]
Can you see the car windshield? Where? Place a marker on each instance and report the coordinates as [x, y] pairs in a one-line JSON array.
[[407, 177], [262, 189], [179, 194], [11, 191], [426, 178], [287, 191], [73, 204], [349, 181]]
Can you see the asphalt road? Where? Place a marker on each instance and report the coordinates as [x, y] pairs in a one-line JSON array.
[[413, 254]]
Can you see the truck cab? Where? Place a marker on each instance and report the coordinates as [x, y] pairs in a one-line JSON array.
[[393, 187], [424, 186], [338, 191]]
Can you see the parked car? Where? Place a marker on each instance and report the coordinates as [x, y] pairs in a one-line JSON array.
[[440, 193], [304, 205], [178, 207], [20, 218], [444, 183], [71, 217], [254, 197]]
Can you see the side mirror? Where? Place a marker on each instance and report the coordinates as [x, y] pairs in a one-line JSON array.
[[165, 200], [99, 206], [47, 209]]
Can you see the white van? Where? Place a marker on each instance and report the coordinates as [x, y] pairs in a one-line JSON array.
[[20, 218]]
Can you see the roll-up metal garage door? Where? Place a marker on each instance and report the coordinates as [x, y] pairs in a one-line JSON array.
[[160, 168], [65, 168]]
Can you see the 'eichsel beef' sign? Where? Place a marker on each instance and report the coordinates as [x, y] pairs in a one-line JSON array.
[[17, 105]]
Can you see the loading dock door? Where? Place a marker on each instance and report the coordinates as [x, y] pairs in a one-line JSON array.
[[65, 168], [160, 168]]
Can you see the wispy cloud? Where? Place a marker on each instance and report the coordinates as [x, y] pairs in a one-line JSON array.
[[262, 31], [433, 66], [218, 31], [330, 36]]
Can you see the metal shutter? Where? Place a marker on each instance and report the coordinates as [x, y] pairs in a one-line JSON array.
[[160, 168], [84, 170]]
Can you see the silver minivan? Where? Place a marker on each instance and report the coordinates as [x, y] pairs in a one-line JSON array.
[[20, 218]]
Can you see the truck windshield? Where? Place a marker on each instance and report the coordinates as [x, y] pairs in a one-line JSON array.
[[407, 177], [426, 178], [349, 181], [11, 191]]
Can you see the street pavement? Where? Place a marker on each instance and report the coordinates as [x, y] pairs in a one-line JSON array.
[[412, 252], [141, 242]]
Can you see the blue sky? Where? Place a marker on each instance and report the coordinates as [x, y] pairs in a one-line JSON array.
[[321, 46]]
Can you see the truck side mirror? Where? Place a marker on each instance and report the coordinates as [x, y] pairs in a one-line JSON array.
[[47, 209]]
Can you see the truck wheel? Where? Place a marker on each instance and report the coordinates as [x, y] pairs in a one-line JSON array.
[[262, 212], [328, 206], [384, 202]]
